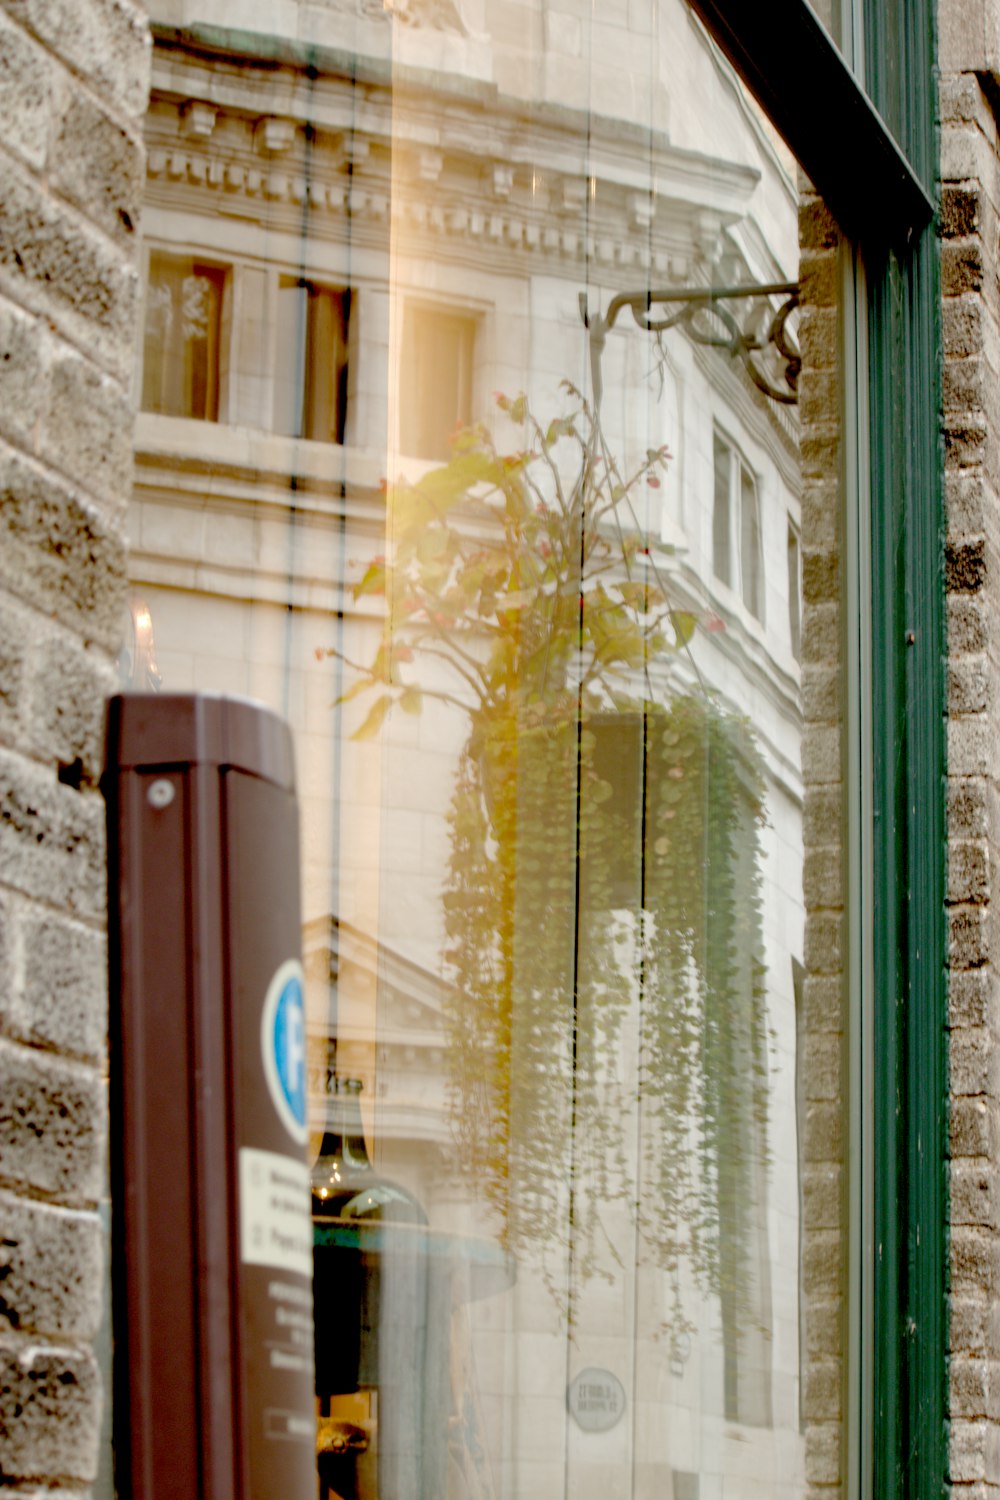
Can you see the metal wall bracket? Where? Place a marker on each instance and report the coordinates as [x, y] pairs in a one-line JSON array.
[[709, 316]]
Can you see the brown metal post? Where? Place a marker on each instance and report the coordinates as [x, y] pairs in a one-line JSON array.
[[212, 1240]]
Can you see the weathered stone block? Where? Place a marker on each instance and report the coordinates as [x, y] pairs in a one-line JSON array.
[[822, 880], [26, 87], [822, 818], [965, 564], [822, 1263], [821, 685], [821, 1390], [823, 1135], [107, 41], [973, 1063], [969, 1330], [50, 1410], [968, 871], [974, 1451], [819, 451], [975, 1388], [975, 1261], [87, 431], [968, 685], [819, 338], [969, 997], [51, 1262], [960, 213], [969, 621], [968, 500], [51, 838], [820, 574], [820, 633], [823, 1327], [823, 1003], [817, 226], [51, 1124], [818, 392], [964, 157], [12, 670], [59, 553], [821, 755], [823, 953], [822, 1206], [820, 513], [61, 998], [53, 261], [975, 1194], [64, 705], [974, 1127], [965, 438], [961, 266], [99, 166], [968, 941], [970, 746], [818, 278], [962, 324], [822, 1059], [24, 361], [964, 384], [823, 1442]]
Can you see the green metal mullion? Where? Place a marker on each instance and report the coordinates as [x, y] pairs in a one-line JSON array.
[[909, 850], [889, 837], [925, 1331]]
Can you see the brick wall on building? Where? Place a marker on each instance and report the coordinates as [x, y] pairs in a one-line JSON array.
[[970, 172], [73, 87]]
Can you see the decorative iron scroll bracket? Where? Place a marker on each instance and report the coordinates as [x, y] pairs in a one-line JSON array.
[[709, 320]]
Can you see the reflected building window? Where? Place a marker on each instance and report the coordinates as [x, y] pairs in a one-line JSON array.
[[180, 370], [311, 370], [435, 393], [737, 543]]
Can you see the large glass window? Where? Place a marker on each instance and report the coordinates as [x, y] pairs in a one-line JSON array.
[[180, 369], [553, 606]]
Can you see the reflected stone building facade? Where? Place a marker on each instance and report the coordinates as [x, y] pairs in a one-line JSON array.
[[350, 251], [366, 231]]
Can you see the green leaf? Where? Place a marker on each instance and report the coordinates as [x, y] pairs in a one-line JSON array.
[[411, 700], [433, 544], [355, 690], [373, 581], [684, 626], [370, 728]]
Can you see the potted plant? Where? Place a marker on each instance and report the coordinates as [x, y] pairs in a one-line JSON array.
[[602, 895]]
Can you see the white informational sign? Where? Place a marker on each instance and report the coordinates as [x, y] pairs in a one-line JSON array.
[[596, 1399], [275, 1224]]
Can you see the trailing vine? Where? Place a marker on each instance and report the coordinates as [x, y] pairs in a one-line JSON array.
[[603, 891]]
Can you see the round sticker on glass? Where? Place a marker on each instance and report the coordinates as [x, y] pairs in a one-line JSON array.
[[283, 1044]]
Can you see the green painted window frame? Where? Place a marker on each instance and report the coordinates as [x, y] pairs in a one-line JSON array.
[[885, 112]]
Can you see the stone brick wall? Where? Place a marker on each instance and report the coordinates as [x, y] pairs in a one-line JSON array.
[[823, 824], [73, 86], [969, 229]]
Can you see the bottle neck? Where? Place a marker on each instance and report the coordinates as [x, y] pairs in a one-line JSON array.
[[343, 1135]]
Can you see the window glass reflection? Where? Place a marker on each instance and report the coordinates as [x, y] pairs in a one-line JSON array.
[[500, 318]]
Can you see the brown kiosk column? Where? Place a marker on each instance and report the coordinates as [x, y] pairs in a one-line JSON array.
[[212, 1241]]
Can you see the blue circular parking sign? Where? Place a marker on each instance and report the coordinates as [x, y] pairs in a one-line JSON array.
[[283, 1044]]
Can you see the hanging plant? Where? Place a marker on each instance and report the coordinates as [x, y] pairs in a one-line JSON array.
[[604, 865]]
